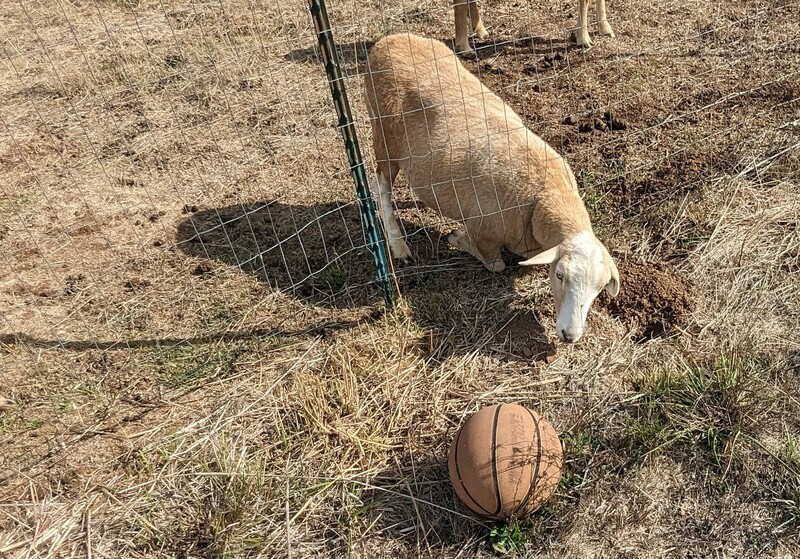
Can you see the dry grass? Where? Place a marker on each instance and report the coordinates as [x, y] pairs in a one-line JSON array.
[[195, 363]]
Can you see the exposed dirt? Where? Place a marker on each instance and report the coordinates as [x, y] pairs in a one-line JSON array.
[[654, 299]]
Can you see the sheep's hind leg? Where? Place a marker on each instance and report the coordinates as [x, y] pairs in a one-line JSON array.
[[461, 10], [603, 27], [382, 188], [487, 253], [477, 22]]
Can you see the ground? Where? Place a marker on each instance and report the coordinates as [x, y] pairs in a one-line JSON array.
[[195, 360]]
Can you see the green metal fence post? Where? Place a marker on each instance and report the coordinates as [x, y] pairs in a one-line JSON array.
[[372, 230]]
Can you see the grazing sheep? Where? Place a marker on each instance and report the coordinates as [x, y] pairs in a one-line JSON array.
[[468, 18], [468, 155]]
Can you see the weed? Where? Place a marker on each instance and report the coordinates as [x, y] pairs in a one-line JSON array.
[[791, 449], [32, 425], [577, 447], [788, 502], [507, 538], [6, 422], [12, 424], [433, 306], [333, 276]]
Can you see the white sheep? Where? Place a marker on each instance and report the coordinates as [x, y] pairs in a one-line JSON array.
[[468, 155], [468, 18]]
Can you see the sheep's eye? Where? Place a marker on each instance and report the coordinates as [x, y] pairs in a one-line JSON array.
[[560, 276]]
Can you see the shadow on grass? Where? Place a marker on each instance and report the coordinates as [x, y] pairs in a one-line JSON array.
[[322, 329], [353, 55], [414, 503], [317, 254]]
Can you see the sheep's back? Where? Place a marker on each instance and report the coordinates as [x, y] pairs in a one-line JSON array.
[[464, 151]]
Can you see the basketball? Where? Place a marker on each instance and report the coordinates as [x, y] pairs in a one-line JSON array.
[[505, 461]]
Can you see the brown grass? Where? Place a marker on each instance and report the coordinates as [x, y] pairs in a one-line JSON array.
[[194, 361]]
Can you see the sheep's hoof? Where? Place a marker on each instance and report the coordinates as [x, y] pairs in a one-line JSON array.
[[582, 39], [497, 266], [464, 49], [604, 28], [401, 252], [454, 238]]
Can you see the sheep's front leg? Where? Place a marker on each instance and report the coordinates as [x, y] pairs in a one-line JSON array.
[[487, 253], [603, 27], [582, 37], [382, 188]]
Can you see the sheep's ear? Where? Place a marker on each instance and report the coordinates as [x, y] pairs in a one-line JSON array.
[[547, 257], [613, 284]]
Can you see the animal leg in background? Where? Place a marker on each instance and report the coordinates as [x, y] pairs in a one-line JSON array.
[[468, 18]]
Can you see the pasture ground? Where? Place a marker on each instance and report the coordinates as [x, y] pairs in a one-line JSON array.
[[183, 374]]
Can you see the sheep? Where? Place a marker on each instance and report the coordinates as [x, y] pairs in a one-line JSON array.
[[468, 155], [468, 17]]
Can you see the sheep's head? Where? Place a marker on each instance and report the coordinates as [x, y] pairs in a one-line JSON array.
[[580, 268]]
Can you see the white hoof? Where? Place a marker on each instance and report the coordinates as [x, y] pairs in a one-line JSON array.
[[455, 238], [604, 28], [582, 39], [400, 250], [463, 47]]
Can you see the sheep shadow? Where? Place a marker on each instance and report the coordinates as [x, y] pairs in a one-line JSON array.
[[353, 55], [318, 254], [534, 45]]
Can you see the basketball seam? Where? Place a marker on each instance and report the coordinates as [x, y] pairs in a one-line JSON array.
[[460, 480], [494, 460], [535, 476]]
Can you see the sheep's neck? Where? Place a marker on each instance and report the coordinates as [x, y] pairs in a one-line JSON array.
[[558, 215]]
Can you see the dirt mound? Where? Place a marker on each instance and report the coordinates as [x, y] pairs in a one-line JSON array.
[[653, 299]]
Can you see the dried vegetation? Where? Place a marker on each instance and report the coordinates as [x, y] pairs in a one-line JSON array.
[[194, 361]]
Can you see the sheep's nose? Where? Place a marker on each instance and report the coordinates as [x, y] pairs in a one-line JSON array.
[[566, 337]]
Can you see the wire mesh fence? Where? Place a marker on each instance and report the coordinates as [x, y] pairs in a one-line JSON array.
[[218, 110], [178, 214]]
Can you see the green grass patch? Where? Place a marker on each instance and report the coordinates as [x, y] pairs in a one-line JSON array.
[[706, 409], [788, 502], [431, 305], [10, 424], [333, 276], [188, 364], [12, 203]]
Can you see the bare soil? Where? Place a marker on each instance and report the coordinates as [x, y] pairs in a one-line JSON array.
[[656, 301]]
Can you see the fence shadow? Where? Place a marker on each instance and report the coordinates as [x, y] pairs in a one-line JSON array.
[[317, 253]]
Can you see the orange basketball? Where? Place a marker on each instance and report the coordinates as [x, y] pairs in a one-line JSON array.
[[505, 461]]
